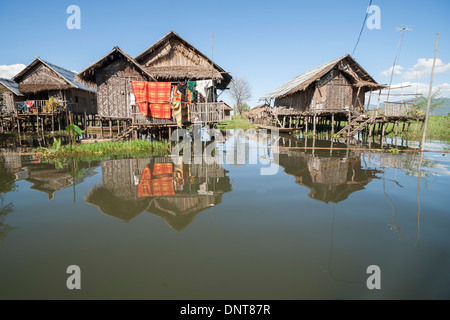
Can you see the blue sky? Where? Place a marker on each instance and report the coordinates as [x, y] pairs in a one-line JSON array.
[[267, 42]]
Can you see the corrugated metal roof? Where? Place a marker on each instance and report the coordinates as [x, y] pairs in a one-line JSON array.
[[69, 76], [11, 85], [298, 80]]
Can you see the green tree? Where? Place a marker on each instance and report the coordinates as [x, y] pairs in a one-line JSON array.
[[240, 91]]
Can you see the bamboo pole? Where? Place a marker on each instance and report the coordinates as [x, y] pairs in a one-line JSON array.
[[422, 144]]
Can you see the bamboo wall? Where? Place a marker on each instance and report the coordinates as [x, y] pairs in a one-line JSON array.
[[112, 90], [10, 100], [332, 93]]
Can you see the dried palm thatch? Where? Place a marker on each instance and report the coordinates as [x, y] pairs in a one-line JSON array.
[[173, 58], [41, 75], [346, 64], [87, 75], [184, 72]]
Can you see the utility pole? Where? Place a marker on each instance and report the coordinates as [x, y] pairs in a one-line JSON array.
[[422, 145], [402, 29]]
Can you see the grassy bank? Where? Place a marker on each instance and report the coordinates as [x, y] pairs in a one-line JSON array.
[[101, 148], [236, 123]]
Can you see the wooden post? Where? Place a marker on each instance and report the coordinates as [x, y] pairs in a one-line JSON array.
[[85, 123], [422, 145], [332, 123], [110, 128], [101, 128], [314, 124]]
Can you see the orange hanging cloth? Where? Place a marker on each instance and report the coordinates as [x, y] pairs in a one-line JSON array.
[[140, 90], [145, 187], [153, 98]]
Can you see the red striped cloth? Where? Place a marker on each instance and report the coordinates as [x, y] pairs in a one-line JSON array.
[[153, 98], [160, 184], [159, 99], [162, 168], [140, 91]]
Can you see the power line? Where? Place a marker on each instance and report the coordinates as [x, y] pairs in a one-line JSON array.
[[362, 28]]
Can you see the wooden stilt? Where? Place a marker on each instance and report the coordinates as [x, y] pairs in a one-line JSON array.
[[332, 123]]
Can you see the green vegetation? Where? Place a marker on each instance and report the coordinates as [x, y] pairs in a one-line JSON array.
[[101, 148], [237, 122], [393, 150], [438, 128]]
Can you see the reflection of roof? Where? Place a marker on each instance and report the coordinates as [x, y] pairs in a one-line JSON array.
[[109, 204], [46, 178], [179, 211], [11, 85]]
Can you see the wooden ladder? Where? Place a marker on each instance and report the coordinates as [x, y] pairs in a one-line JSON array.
[[123, 135], [352, 123]]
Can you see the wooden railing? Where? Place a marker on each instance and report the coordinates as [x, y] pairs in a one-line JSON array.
[[39, 106], [394, 109], [200, 112]]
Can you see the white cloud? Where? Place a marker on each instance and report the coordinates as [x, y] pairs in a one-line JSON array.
[[10, 71], [423, 67], [397, 71]]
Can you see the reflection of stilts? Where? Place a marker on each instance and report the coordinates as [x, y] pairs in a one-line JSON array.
[[394, 225], [418, 201], [331, 256]]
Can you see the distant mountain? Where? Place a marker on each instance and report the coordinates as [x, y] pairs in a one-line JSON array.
[[444, 109]]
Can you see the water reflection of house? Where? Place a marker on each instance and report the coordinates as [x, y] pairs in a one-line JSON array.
[[331, 176], [171, 190], [46, 178]]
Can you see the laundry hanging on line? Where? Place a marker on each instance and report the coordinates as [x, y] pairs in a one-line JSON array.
[[153, 98], [203, 85]]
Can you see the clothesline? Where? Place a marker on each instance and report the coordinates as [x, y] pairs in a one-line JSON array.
[[163, 100]]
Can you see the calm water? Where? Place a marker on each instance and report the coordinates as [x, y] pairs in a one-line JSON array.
[[155, 228]]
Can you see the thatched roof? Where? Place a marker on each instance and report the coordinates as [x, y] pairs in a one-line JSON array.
[[181, 72], [303, 81], [226, 106], [11, 86], [87, 75], [258, 109], [67, 78]]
